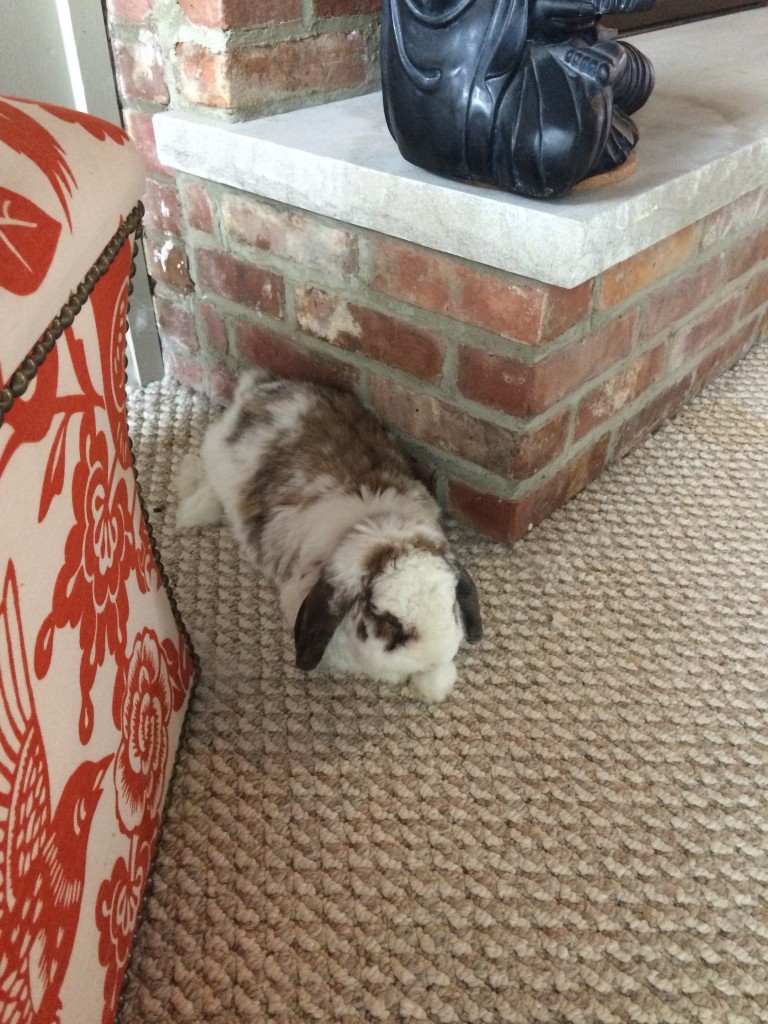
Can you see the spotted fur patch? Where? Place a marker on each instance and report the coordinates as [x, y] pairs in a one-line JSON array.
[[389, 630], [387, 553]]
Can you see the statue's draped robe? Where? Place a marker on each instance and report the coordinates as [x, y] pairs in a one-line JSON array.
[[471, 93]]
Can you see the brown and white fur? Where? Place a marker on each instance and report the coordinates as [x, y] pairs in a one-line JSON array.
[[322, 500]]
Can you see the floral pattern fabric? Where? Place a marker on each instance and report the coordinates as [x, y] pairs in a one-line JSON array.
[[66, 179], [94, 668]]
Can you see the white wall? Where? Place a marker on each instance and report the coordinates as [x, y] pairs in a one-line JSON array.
[[32, 59]]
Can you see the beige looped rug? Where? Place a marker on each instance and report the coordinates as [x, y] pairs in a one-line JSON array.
[[580, 834]]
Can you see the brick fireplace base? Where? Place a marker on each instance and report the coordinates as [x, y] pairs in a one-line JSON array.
[[516, 390]]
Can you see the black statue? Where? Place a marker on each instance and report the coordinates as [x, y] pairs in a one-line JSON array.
[[532, 96]]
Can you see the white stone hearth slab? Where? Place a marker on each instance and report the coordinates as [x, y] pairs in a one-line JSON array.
[[703, 143]]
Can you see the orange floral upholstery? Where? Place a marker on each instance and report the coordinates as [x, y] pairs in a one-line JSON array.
[[95, 665]]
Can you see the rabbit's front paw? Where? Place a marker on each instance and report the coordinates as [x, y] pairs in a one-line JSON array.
[[433, 686], [189, 476], [198, 503]]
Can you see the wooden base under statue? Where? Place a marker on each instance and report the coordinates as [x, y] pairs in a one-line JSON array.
[[612, 177]]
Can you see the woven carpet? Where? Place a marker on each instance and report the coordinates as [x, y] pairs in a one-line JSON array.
[[579, 834]]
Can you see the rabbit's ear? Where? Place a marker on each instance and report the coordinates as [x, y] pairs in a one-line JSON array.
[[469, 604], [318, 618]]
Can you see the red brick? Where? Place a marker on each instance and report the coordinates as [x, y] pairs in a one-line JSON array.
[[613, 395], [756, 292], [495, 308], [241, 282], [140, 129], [652, 415], [725, 355], [215, 328], [680, 297], [491, 515], [424, 278], [168, 263], [358, 329], [322, 62], [290, 235], [162, 207], [341, 8], [577, 474], [734, 217], [139, 70], [540, 447], [229, 14], [747, 255], [506, 452], [627, 278], [223, 381], [185, 370], [176, 323], [703, 332], [247, 76], [525, 389], [497, 381], [488, 299], [205, 75], [199, 208], [129, 10], [279, 354], [509, 519]]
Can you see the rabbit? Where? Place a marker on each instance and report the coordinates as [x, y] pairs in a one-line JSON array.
[[322, 500]]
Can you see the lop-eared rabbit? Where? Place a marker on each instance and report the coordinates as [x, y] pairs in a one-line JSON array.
[[322, 500]]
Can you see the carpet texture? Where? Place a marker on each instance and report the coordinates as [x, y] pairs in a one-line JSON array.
[[579, 834]]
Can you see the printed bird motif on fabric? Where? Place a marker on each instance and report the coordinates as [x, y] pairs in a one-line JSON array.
[[42, 850]]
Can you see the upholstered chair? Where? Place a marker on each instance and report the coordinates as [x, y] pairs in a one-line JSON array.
[[95, 664]]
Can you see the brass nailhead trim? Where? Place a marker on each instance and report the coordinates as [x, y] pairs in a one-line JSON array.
[[26, 371]]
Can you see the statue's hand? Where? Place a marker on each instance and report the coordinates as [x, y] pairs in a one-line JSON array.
[[556, 20]]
